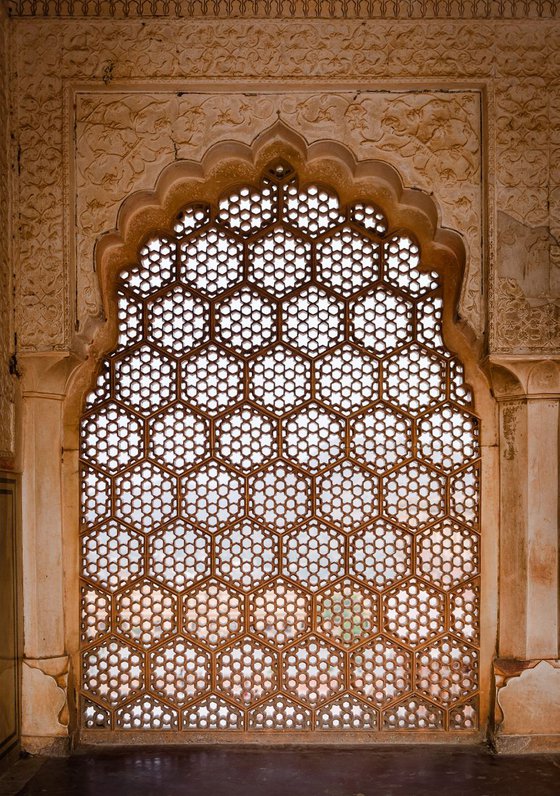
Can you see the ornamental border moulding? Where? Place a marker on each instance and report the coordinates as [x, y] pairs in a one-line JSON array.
[[291, 9]]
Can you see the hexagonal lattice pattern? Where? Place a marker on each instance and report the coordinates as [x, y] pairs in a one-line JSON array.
[[94, 717], [279, 612], [145, 496], [190, 218], [213, 495], [246, 554], [313, 321], [402, 258], [346, 379], [279, 713], [112, 555], [414, 612], [280, 379], [314, 437], [279, 261], [347, 613], [95, 613], [212, 713], [101, 391], [313, 209], [464, 493], [178, 438], [146, 713], [112, 438], [414, 379], [381, 670], [247, 210], [211, 262], [414, 495], [177, 320], [380, 554], [347, 261], [465, 716], [347, 712], [413, 714], [459, 392], [95, 503], [112, 671], [145, 379], [129, 313], [246, 671], [156, 266], [213, 613], [464, 611], [448, 437], [279, 496], [446, 554], [313, 670], [246, 438], [313, 554], [279, 480], [212, 380], [369, 217], [381, 321], [447, 671], [347, 495], [179, 555], [429, 324], [381, 437], [146, 613], [245, 321], [179, 671]]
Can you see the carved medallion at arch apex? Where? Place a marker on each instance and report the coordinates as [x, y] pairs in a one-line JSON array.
[[125, 140]]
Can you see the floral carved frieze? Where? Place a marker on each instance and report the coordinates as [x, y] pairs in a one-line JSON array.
[[432, 139]]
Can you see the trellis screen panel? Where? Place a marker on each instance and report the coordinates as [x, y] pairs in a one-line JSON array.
[[280, 481]]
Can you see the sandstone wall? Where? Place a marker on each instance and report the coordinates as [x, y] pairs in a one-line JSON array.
[[465, 106]]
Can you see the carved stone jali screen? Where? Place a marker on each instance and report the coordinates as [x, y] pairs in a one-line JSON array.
[[280, 481]]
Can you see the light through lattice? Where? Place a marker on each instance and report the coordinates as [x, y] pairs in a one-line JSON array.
[[280, 481]]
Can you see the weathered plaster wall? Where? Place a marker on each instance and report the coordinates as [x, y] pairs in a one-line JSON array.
[[466, 109]]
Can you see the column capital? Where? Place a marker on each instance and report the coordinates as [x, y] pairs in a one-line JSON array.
[[46, 373], [524, 377]]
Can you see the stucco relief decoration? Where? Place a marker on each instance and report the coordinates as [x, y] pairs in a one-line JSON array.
[[432, 139], [527, 278]]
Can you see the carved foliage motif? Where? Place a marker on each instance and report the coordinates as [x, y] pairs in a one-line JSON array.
[[429, 138], [527, 179], [432, 138]]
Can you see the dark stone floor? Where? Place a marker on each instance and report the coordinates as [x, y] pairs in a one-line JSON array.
[[387, 771]]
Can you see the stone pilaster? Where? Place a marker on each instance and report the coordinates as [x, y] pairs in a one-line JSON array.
[[527, 670]]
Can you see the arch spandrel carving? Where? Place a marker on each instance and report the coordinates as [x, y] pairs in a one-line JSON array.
[[231, 162]]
